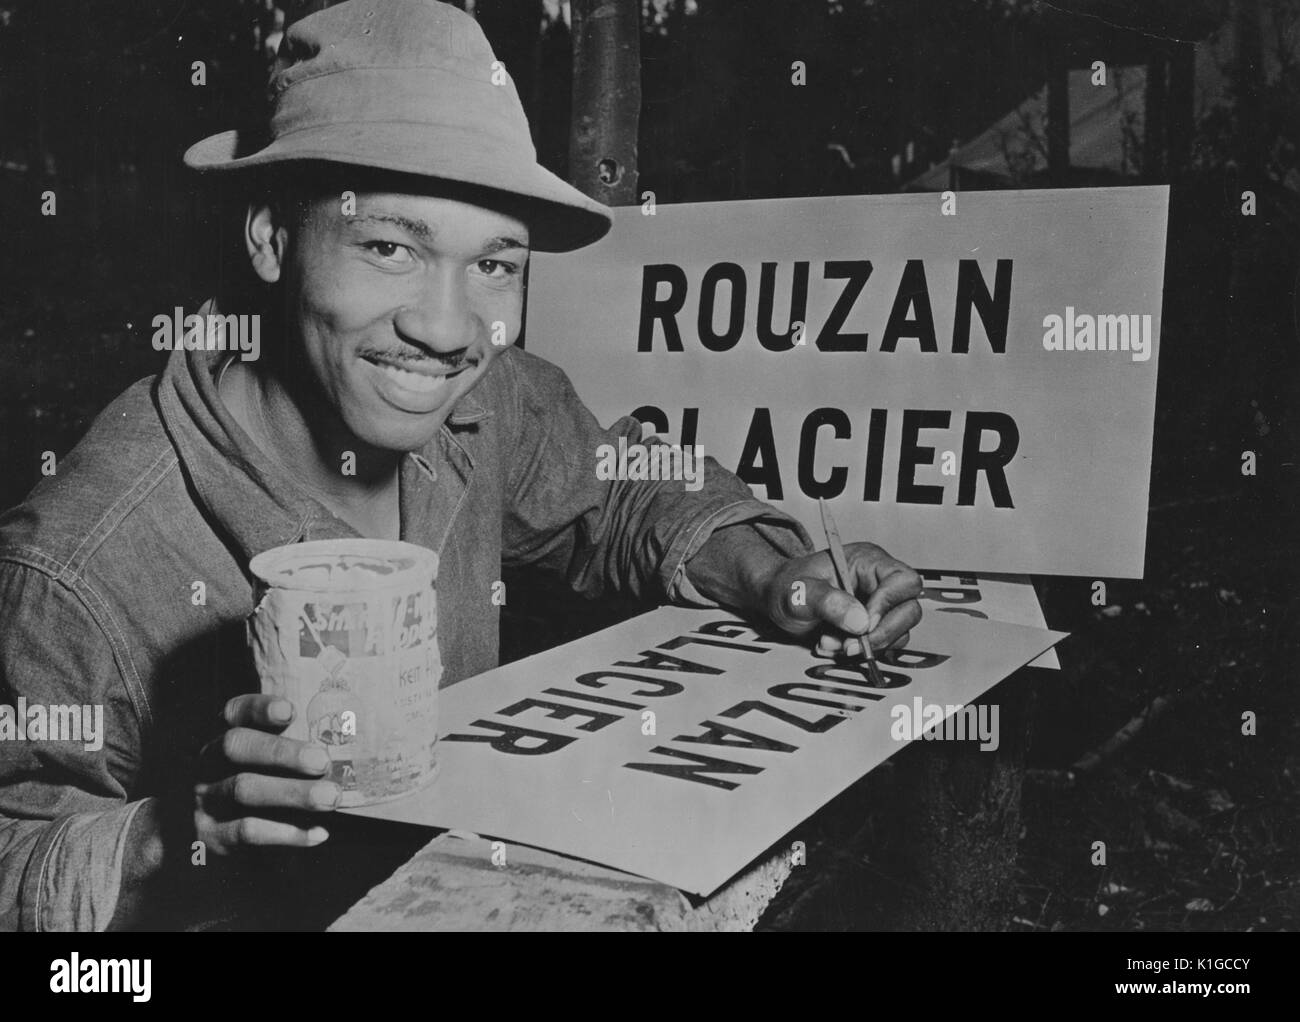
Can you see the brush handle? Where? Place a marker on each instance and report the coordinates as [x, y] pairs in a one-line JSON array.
[[841, 567]]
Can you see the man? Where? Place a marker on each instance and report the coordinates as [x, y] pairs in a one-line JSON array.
[[390, 248]]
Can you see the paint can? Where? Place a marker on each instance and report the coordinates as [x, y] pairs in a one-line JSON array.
[[346, 630]]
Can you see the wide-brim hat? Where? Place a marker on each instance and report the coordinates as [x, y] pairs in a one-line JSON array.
[[410, 86]]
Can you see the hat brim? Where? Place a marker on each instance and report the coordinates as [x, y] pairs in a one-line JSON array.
[[560, 218]]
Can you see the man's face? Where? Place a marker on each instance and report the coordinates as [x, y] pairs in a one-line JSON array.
[[395, 307]]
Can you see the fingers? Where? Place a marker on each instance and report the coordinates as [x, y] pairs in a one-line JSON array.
[[233, 811], [895, 584], [895, 626], [258, 775], [888, 636], [828, 645], [227, 836], [261, 752], [901, 642], [824, 603], [269, 713], [234, 795], [892, 607], [226, 813]]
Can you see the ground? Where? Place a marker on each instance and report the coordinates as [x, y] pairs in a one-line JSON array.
[[1201, 821]]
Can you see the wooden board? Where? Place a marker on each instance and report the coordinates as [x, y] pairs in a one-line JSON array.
[[452, 885]]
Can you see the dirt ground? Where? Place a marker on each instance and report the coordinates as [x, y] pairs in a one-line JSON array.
[[1201, 821]]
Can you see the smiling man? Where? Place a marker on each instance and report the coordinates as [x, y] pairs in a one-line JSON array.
[[398, 198], [392, 309]]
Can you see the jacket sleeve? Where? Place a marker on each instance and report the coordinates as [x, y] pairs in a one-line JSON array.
[[633, 536], [69, 742]]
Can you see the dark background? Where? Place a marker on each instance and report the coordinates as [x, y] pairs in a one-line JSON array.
[[96, 104]]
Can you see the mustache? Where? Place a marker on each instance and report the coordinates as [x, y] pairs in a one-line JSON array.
[[399, 355]]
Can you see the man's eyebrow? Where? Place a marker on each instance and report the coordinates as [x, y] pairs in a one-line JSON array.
[[416, 227], [425, 232], [500, 244]]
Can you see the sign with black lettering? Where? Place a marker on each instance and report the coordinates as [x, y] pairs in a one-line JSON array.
[[681, 745], [975, 390]]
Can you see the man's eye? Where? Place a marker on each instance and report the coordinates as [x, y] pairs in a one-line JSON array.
[[389, 251], [496, 269]]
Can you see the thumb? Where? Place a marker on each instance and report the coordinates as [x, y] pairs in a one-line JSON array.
[[823, 604], [846, 613]]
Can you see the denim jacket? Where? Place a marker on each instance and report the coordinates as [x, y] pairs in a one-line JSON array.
[[99, 604]]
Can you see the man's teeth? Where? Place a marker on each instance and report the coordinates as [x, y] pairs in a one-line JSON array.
[[412, 381]]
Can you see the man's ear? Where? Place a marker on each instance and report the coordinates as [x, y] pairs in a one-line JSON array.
[[266, 237]]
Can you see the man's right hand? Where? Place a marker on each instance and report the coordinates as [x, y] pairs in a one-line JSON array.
[[262, 778]]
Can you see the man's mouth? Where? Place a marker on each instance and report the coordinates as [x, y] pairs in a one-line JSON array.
[[417, 375]]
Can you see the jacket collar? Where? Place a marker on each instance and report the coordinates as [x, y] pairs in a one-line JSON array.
[[469, 410], [255, 504]]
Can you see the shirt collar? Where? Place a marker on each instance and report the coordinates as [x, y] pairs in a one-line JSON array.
[[469, 410], [242, 489]]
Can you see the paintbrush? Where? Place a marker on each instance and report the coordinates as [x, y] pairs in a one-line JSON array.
[[871, 668]]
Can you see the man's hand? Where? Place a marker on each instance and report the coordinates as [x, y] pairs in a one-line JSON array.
[[802, 596], [262, 778]]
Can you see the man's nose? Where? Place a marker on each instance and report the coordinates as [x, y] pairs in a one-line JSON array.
[[441, 318]]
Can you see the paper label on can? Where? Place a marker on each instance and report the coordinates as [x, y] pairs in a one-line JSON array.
[[362, 670]]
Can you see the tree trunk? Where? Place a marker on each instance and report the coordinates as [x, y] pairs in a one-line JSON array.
[[1247, 290], [1058, 114], [606, 99], [1153, 127], [1182, 109], [1248, 86]]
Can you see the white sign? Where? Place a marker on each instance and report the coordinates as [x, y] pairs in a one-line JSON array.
[[968, 381], [681, 745]]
